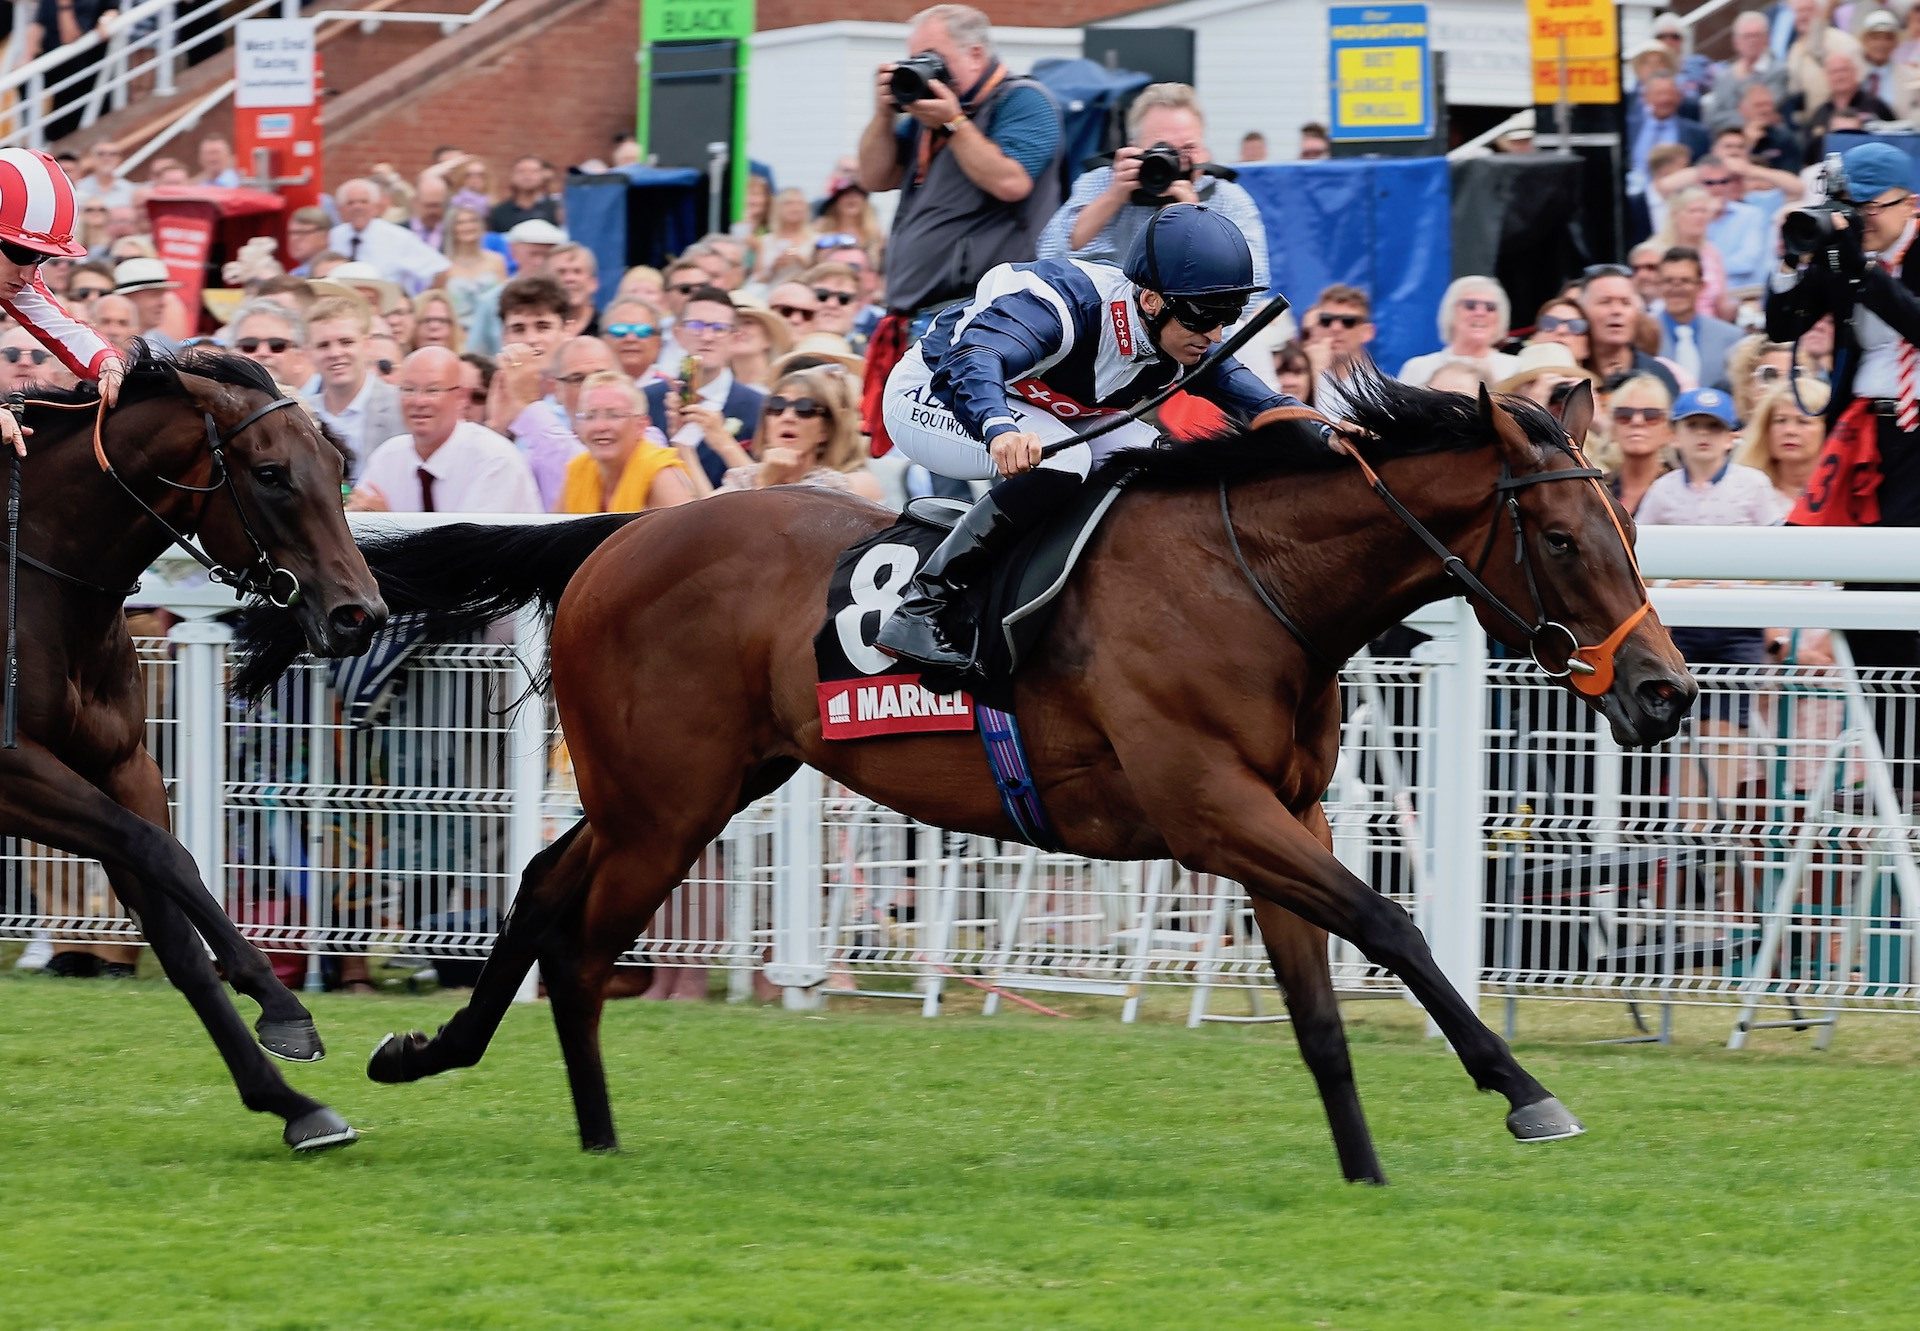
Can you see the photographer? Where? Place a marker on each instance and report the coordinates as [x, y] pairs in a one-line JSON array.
[[1849, 257], [974, 152], [1162, 164]]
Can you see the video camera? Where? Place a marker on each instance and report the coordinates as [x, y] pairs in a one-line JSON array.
[[1809, 230], [914, 77]]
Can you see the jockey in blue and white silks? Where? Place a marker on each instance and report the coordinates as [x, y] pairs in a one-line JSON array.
[[1040, 353]]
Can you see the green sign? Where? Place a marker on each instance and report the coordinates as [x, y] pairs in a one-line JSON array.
[[695, 20]]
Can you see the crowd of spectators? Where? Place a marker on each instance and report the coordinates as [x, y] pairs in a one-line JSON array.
[[451, 332]]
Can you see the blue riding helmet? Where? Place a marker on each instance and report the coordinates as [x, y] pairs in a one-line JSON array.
[[1190, 252]]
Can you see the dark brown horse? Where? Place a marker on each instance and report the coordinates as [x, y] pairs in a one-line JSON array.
[[1169, 713], [203, 446]]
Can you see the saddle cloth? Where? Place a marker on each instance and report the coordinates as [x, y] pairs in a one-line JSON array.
[[863, 691]]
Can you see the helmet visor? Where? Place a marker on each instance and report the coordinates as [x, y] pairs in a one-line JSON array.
[[21, 255], [1203, 316]]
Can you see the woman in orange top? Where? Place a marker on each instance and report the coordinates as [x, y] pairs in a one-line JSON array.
[[622, 471]]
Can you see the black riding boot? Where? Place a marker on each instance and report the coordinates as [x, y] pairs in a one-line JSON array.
[[926, 629]]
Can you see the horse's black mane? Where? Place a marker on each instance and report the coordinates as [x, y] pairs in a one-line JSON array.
[[1406, 422]]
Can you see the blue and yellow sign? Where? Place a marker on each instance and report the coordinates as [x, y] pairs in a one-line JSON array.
[[1379, 72]]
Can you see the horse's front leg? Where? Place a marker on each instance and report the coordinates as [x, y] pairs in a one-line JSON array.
[[1231, 824]]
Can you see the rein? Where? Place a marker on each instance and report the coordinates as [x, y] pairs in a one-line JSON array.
[[262, 577], [1591, 667]]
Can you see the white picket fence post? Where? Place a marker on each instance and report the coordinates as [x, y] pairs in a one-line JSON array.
[[200, 695], [799, 896], [527, 765], [1451, 908]]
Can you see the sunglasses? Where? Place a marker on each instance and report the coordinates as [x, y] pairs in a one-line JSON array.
[[21, 256], [1773, 374], [805, 408], [246, 346], [1609, 270], [1647, 415], [839, 297], [1475, 305], [705, 326], [838, 240], [631, 330], [1716, 181], [1343, 320], [793, 313], [12, 355], [685, 288], [1553, 323], [86, 293]]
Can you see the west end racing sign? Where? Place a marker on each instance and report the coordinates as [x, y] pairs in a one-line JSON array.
[[1379, 71], [695, 20]]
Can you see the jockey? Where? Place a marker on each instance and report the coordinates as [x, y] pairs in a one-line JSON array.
[[1043, 346], [37, 213]]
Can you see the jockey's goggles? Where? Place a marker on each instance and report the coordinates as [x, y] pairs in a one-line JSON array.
[[21, 256], [1203, 316]]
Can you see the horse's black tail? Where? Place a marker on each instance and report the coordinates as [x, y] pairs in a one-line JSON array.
[[461, 577]]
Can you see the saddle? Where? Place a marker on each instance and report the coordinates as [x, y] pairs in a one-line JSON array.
[[1012, 609]]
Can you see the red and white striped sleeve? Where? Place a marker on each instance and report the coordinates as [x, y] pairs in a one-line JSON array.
[[78, 346]]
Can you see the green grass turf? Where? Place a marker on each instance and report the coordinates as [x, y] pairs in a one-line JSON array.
[[866, 1168]]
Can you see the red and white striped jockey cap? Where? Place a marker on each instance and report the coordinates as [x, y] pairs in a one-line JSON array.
[[36, 203]]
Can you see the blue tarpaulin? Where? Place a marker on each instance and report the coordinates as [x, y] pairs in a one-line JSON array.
[[1381, 224], [633, 215], [1089, 94]]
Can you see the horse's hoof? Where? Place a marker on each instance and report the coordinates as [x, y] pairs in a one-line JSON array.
[[1544, 1121], [294, 1041], [319, 1129], [389, 1061]]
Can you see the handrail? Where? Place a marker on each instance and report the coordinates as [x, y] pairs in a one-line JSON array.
[[186, 120], [370, 22]]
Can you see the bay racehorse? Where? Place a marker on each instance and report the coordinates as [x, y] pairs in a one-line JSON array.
[[1167, 714], [203, 447]]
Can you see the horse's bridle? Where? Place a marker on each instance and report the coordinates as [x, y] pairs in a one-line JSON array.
[[263, 577], [1591, 667]]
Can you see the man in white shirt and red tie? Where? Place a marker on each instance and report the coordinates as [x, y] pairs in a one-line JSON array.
[[444, 463], [366, 237], [1866, 274]]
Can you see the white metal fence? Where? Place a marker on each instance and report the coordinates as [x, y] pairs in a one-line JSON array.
[[1762, 859]]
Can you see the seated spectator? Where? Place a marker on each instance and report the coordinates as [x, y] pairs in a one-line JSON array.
[[1474, 317], [1847, 106], [1543, 367], [1692, 69], [1337, 335], [714, 414], [307, 232], [161, 320], [167, 173], [627, 466], [436, 323], [1294, 371], [1698, 343], [1752, 62], [217, 167], [444, 463], [810, 435], [760, 337], [1784, 438], [1647, 212], [115, 318], [731, 251], [1879, 76], [1908, 52], [269, 332], [632, 330], [1639, 436], [1564, 321], [1613, 313], [1814, 39], [427, 217], [1459, 376], [528, 198], [24, 363], [533, 313], [1690, 216], [473, 276], [647, 283], [573, 266], [796, 303], [1644, 259], [86, 282], [296, 293], [684, 276], [364, 236], [349, 396], [837, 289], [1315, 145], [787, 247], [578, 360], [476, 381], [382, 294], [1253, 146], [1755, 367], [1653, 118], [1769, 142], [848, 210], [101, 182]]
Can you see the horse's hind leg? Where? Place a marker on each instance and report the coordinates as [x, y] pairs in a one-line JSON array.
[[1298, 951], [552, 882]]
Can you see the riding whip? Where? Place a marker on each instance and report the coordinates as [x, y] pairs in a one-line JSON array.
[[1265, 315], [10, 726]]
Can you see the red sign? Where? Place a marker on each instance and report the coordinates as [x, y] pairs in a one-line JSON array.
[[889, 705], [1122, 327], [184, 238]]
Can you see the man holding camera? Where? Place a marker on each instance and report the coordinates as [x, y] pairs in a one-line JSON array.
[[1852, 257], [974, 152], [1166, 161]]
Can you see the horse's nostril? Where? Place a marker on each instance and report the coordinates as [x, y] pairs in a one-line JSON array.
[[348, 616]]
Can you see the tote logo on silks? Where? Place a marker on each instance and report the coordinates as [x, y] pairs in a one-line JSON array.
[[1122, 327], [856, 699], [1052, 400]]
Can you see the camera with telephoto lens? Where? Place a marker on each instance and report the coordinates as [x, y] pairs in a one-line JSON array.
[[1809, 230], [914, 77], [1160, 166]]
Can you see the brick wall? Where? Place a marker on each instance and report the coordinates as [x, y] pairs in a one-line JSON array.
[[551, 77]]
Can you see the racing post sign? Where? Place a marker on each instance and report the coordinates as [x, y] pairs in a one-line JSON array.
[[1380, 73], [693, 85], [1586, 33], [276, 106]]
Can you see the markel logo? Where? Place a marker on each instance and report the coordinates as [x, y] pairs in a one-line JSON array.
[[890, 705]]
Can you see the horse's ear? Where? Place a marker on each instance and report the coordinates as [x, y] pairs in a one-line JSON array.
[[1575, 413], [1486, 410], [1498, 422]]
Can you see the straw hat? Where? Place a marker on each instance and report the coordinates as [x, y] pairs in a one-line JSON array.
[[829, 347], [1538, 359], [362, 280], [779, 332]]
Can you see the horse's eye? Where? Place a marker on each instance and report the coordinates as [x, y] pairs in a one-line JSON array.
[[1559, 543], [274, 477]]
